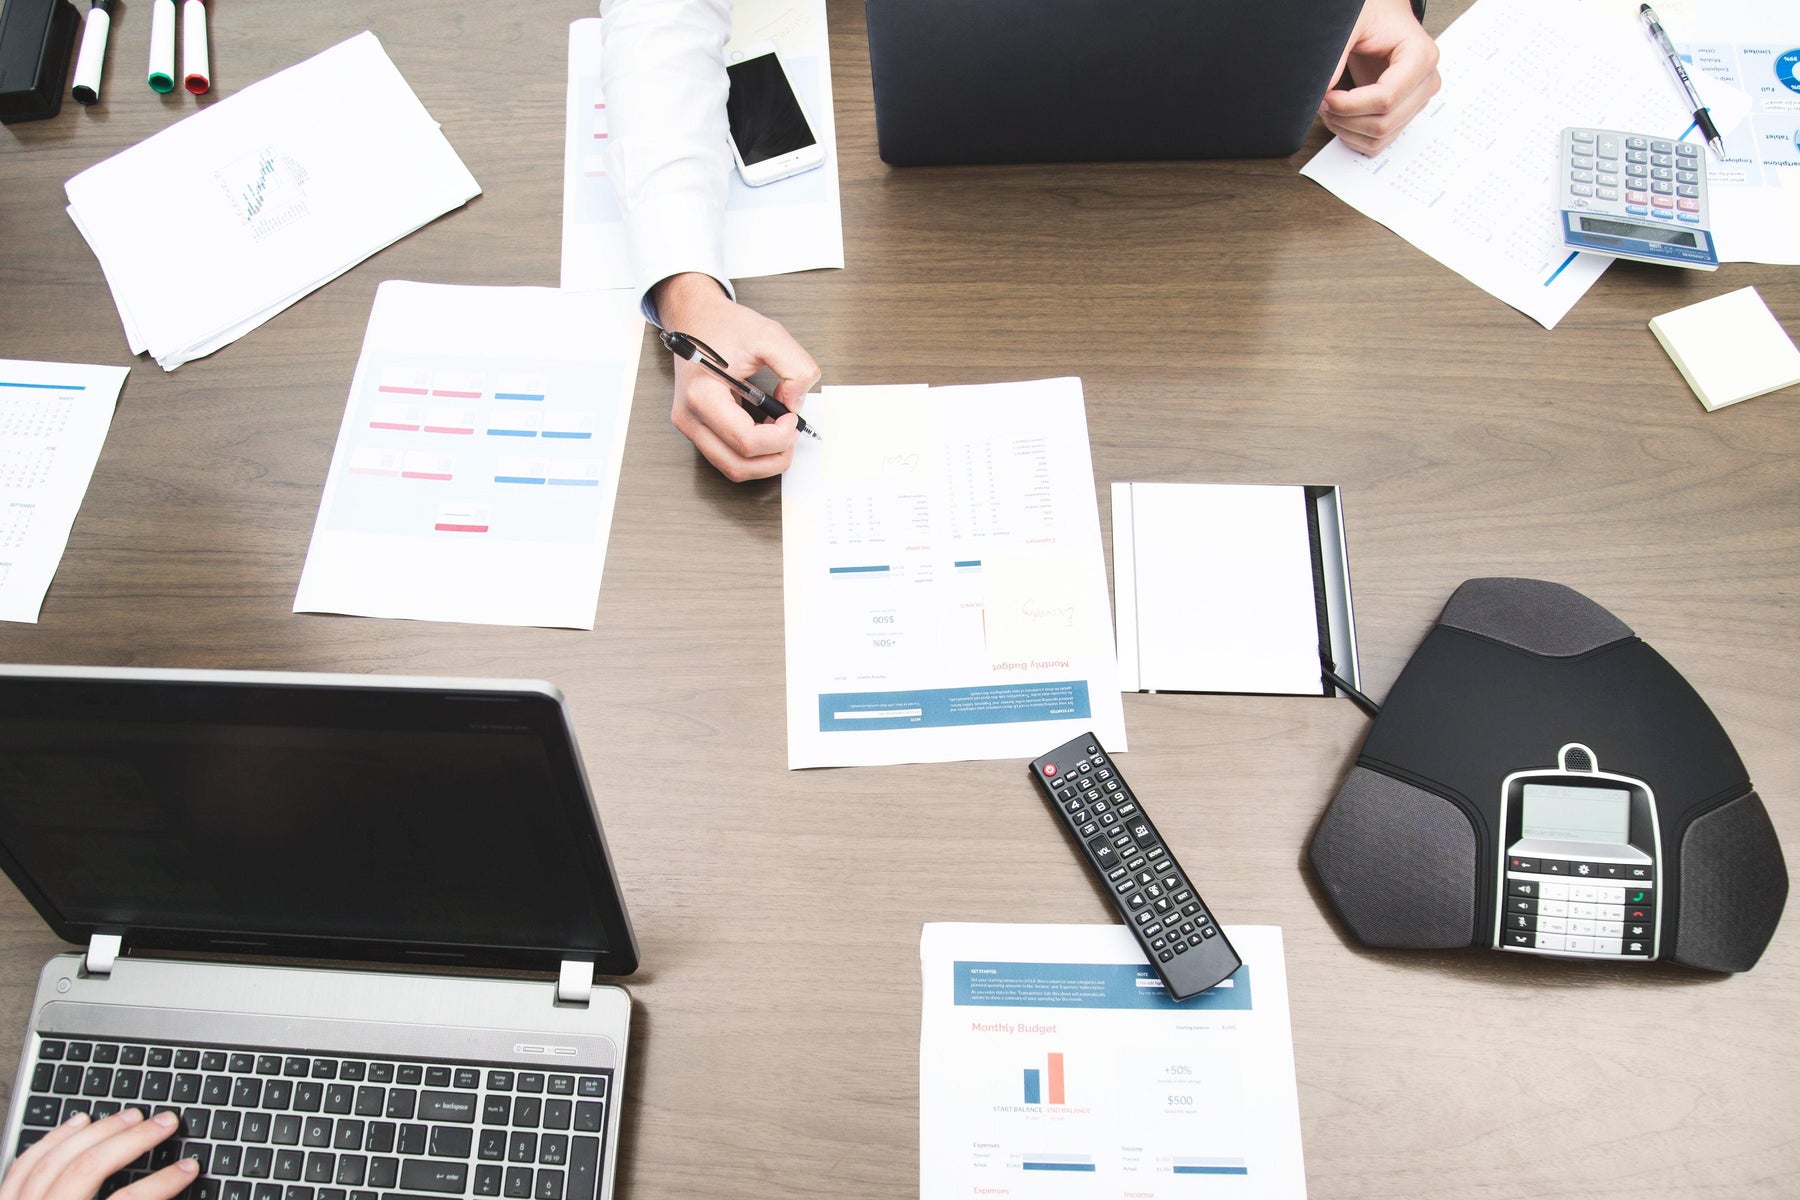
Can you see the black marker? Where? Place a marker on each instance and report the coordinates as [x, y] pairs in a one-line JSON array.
[[91, 62], [759, 402]]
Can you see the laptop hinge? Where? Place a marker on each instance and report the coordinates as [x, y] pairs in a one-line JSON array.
[[575, 983], [103, 951]]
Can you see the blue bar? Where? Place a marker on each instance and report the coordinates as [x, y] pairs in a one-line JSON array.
[[1053, 1166], [47, 387], [996, 704], [858, 570], [1084, 985], [969, 562], [1212, 1170], [548, 433], [1561, 269], [518, 396], [1031, 1086], [512, 433], [574, 483], [518, 479]]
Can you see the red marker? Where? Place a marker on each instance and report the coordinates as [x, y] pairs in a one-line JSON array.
[[198, 76]]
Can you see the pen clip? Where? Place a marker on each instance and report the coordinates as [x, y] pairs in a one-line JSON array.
[[686, 345]]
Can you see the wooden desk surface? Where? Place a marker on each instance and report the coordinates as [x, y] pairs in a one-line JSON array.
[[1231, 322]]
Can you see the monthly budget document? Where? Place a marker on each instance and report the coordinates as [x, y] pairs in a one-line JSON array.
[[1052, 1063], [943, 575]]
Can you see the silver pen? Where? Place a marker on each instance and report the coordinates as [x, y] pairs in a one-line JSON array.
[[1702, 117]]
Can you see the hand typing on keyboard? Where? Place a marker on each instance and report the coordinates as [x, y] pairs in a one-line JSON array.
[[74, 1160]]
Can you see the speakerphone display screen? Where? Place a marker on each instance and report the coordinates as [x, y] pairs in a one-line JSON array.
[[1558, 813]]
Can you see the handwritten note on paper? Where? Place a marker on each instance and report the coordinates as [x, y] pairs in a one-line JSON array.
[[869, 437], [1030, 607]]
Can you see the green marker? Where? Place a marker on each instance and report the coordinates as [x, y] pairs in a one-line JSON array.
[[162, 45]]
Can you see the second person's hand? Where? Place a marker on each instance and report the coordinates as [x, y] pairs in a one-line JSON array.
[[74, 1160]]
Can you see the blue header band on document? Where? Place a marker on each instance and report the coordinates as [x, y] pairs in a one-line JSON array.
[[1085, 985]]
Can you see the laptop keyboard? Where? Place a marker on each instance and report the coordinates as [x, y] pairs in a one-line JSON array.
[[268, 1126]]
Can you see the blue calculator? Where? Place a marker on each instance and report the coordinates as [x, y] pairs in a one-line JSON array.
[[1634, 196]]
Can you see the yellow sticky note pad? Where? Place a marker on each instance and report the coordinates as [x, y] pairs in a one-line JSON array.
[[1729, 348], [866, 440]]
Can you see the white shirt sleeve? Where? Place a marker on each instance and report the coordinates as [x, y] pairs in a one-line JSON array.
[[662, 72]]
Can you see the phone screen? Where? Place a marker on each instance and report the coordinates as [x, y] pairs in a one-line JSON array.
[[765, 116]]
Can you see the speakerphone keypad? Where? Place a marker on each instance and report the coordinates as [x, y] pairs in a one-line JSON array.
[[1572, 907]]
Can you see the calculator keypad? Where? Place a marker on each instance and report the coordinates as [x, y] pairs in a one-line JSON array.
[[1634, 176]]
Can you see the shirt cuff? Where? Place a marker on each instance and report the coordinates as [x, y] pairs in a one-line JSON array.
[[677, 236]]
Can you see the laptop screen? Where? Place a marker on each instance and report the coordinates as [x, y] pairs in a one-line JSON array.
[[386, 819]]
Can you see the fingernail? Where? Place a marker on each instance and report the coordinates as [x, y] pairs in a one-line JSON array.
[[189, 1166], [167, 1120], [78, 1120], [131, 1116]]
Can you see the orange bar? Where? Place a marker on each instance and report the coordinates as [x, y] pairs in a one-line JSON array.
[[1056, 1079]]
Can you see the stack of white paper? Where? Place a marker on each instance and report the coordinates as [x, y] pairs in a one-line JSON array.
[[219, 222]]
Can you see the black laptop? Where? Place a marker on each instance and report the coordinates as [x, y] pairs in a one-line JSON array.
[[205, 837], [1011, 81]]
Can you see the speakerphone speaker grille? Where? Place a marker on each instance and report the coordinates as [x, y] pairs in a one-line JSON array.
[[1398, 864]]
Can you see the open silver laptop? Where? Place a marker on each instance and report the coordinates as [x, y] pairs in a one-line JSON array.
[[200, 832]]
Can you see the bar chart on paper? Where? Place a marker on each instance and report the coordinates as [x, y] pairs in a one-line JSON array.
[[478, 459], [507, 450], [1079, 1077]]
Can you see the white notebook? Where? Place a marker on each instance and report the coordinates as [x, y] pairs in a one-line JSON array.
[[1729, 348], [1231, 588]]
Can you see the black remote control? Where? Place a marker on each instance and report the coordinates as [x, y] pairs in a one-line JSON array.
[[1148, 887]]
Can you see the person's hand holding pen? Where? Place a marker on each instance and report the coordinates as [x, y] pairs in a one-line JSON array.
[[705, 408], [74, 1160]]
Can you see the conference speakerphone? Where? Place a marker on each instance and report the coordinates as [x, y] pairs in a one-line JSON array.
[[1540, 781], [1580, 869]]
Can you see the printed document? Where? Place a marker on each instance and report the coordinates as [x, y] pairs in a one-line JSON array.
[[53, 421], [222, 220], [1472, 181], [478, 459], [1052, 1064], [1750, 47], [944, 581], [793, 224]]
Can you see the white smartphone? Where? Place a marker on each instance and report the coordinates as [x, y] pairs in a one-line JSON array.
[[770, 137]]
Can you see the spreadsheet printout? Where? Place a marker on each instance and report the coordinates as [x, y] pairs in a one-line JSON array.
[[53, 422], [793, 224], [944, 581]]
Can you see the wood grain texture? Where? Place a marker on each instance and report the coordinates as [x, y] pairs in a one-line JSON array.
[[1230, 322]]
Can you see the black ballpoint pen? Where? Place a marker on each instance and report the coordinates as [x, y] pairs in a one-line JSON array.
[[1702, 117], [759, 402]]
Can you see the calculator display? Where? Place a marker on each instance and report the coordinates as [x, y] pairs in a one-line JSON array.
[[1649, 233]]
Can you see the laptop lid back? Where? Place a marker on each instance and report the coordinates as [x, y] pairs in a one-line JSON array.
[[1012, 81], [369, 818]]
